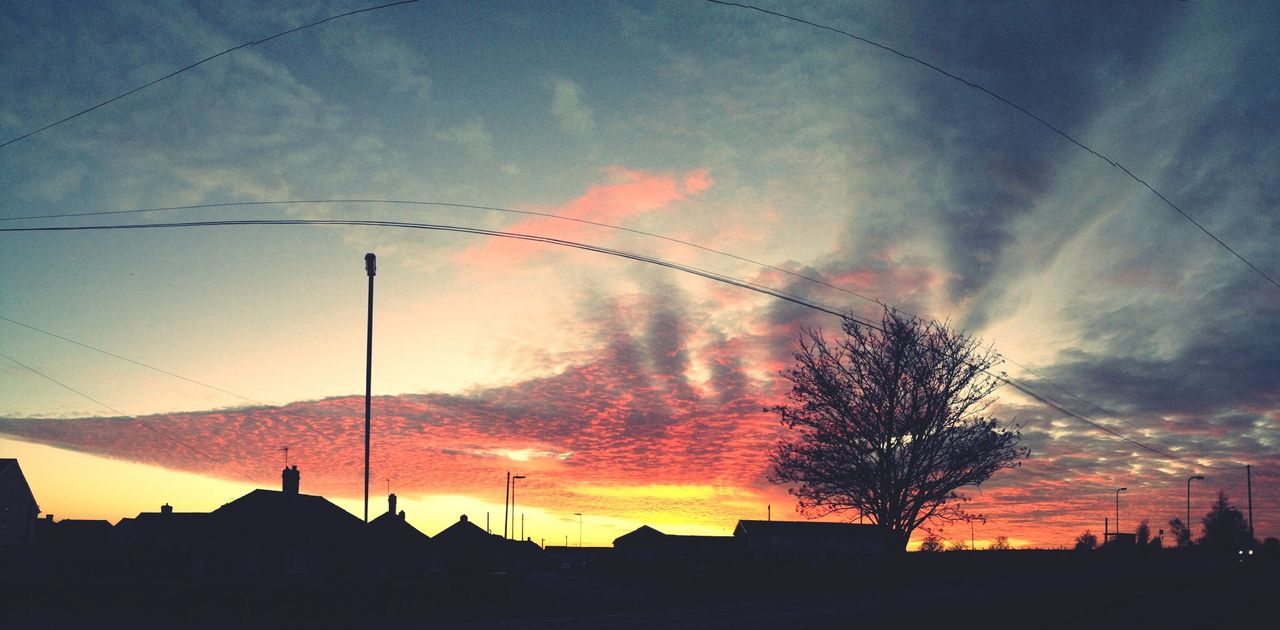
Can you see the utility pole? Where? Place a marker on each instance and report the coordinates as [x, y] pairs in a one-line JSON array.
[[371, 268], [1248, 475], [506, 502]]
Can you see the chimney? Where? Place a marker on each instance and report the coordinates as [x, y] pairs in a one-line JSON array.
[[290, 477], [166, 509], [391, 504]]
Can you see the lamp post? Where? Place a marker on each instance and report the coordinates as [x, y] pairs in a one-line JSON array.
[[1188, 523], [513, 504], [371, 268], [1118, 491], [579, 515], [506, 501]]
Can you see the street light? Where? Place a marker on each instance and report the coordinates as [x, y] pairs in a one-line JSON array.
[[513, 505], [579, 515], [371, 268], [1118, 491], [1187, 525]]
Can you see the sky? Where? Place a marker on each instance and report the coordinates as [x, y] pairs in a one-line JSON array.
[[630, 393]]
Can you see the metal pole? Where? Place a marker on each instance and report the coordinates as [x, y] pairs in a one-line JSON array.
[[579, 515], [1118, 491], [1188, 523], [522, 526], [1248, 471], [506, 501], [513, 504], [973, 545], [370, 267]]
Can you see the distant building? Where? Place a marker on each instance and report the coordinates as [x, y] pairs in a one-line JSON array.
[[646, 544], [18, 509], [808, 542]]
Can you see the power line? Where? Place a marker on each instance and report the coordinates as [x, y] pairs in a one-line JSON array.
[[443, 204], [128, 360], [193, 65], [745, 284], [140, 421], [64, 385], [1048, 125]]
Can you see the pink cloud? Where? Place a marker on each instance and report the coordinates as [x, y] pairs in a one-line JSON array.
[[627, 193]]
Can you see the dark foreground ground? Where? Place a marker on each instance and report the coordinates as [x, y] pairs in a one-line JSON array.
[[1038, 589]]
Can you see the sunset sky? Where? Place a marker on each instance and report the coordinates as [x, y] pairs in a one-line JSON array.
[[627, 392]]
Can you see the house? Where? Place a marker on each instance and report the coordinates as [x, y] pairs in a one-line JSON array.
[[466, 548], [397, 548], [273, 532], [165, 542], [648, 545], [808, 542], [18, 509]]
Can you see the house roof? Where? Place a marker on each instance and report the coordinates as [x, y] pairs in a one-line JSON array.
[[276, 504], [9, 467], [394, 526], [272, 514], [811, 530], [639, 535], [464, 533]]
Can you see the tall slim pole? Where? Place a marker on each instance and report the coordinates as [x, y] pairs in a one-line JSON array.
[[506, 502], [1248, 475], [513, 506], [579, 515], [1118, 491], [370, 267], [1188, 523]]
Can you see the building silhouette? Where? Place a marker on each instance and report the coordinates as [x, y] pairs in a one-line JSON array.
[[18, 509]]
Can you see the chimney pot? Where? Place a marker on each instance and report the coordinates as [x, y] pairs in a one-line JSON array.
[[391, 503], [166, 509], [290, 478]]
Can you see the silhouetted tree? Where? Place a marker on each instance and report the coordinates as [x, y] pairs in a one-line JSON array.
[[1086, 541], [957, 545], [1144, 533], [1001, 544], [1224, 527], [931, 543], [890, 422], [1180, 532]]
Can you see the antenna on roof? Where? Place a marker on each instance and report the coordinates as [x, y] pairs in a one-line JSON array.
[[388, 485], [286, 455]]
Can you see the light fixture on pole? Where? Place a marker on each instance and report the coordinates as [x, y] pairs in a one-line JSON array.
[[1118, 491], [513, 503], [371, 268], [1187, 525]]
